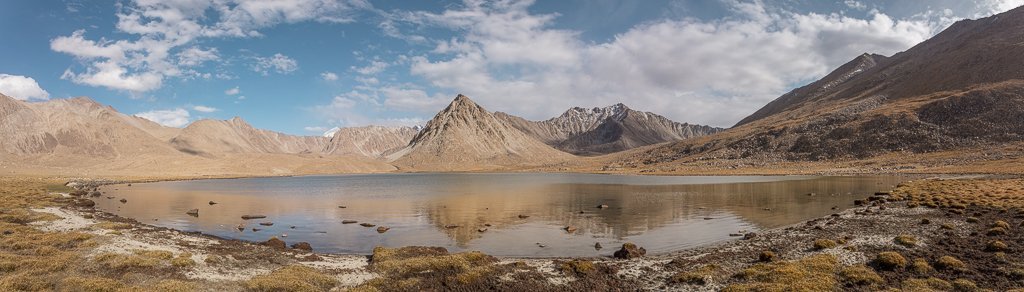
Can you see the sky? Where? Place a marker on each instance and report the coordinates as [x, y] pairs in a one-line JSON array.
[[305, 66]]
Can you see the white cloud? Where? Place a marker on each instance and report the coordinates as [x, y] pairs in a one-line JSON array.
[[690, 70], [855, 4], [374, 67], [159, 30], [412, 100], [22, 88], [195, 56], [278, 63], [204, 109], [171, 118], [233, 91], [315, 129], [329, 76]]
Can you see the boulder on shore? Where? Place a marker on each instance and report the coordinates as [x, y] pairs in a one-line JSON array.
[[275, 243], [302, 246], [630, 251]]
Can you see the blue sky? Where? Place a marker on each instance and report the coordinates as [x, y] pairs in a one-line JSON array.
[[304, 66]]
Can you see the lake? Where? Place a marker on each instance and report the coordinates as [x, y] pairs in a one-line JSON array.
[[520, 211]]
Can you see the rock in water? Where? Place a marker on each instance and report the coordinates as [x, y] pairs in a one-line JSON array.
[[249, 217], [367, 225], [193, 212], [275, 243], [383, 229], [524, 216], [602, 206], [597, 246], [482, 230], [570, 229], [349, 221], [124, 201], [302, 246], [630, 251], [212, 203], [267, 223]]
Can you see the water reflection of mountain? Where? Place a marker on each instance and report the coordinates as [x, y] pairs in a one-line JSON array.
[[635, 209]]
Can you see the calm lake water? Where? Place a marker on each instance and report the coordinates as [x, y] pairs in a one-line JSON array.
[[660, 213]]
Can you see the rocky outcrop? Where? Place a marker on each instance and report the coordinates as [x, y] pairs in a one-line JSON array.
[[466, 136], [605, 130]]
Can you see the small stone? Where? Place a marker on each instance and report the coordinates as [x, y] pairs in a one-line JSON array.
[[735, 234], [250, 217], [597, 246], [302, 246], [367, 225], [291, 227], [521, 216], [708, 218], [342, 207], [212, 203], [383, 229], [241, 227], [256, 229], [349, 221], [570, 229], [193, 212], [749, 236], [124, 201], [630, 251], [267, 223], [602, 206], [482, 230], [487, 224]]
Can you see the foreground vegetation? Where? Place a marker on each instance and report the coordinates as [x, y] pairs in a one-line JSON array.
[[927, 235]]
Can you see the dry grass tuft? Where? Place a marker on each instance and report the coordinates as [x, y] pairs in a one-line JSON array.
[[929, 284], [890, 260], [112, 225], [814, 273], [906, 240], [822, 244], [860, 275], [292, 278], [699, 276], [950, 263]]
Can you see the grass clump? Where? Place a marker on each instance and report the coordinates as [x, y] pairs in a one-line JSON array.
[[578, 267], [1001, 223], [929, 284], [433, 268], [175, 286], [94, 284], [950, 263], [292, 278], [921, 267], [183, 260], [860, 275], [138, 260], [699, 276], [906, 240], [996, 231], [996, 246], [890, 260], [814, 273], [822, 244], [964, 285]]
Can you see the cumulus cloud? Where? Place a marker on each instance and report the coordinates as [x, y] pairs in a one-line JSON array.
[[22, 88], [278, 63], [233, 91], [704, 71], [177, 118], [204, 109], [329, 76], [160, 34]]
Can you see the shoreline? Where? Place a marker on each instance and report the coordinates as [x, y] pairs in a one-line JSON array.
[[858, 234]]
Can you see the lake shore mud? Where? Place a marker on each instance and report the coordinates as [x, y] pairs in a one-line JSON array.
[[931, 234]]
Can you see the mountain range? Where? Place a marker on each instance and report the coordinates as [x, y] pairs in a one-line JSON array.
[[463, 136], [953, 100]]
